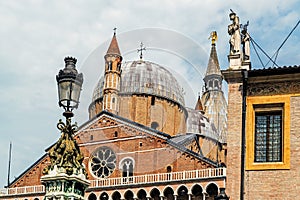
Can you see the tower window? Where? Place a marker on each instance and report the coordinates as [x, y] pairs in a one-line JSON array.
[[91, 137], [109, 65], [113, 100], [119, 66], [216, 85], [152, 101]]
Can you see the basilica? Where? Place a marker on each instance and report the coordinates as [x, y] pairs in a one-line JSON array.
[[142, 142]]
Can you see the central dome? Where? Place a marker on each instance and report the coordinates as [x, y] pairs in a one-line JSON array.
[[144, 77], [150, 78]]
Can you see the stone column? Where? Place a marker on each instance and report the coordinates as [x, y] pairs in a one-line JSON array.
[[204, 195]]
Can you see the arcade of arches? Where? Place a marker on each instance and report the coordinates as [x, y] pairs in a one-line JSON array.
[[182, 192]]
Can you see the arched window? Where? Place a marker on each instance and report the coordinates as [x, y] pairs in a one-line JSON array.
[[116, 134], [92, 196], [128, 195], [104, 196], [109, 65], [152, 101], [212, 191], [216, 84], [116, 196], [154, 125], [182, 193], [119, 66], [210, 84], [197, 192], [127, 166], [169, 193], [169, 170], [155, 194], [91, 137], [142, 195]]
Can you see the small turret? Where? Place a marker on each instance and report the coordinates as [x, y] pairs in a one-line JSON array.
[[199, 105], [214, 103], [112, 76], [213, 77]]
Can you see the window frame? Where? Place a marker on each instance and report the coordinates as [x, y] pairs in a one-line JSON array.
[[256, 104], [266, 134]]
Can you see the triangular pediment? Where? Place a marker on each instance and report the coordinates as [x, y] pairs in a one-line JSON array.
[[125, 128]]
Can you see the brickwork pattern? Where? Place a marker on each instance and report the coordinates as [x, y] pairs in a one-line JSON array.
[[234, 140]]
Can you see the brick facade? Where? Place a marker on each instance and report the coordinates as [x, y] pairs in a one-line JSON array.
[[264, 180]]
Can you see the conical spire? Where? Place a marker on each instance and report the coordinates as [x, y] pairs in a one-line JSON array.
[[199, 105], [114, 47], [213, 63]]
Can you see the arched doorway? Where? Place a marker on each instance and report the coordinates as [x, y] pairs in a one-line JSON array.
[[169, 194], [182, 193], [116, 196], [197, 192], [155, 194], [212, 191], [128, 195], [142, 195], [92, 196]]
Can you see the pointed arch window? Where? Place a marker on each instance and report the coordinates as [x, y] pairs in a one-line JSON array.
[[109, 65], [216, 84], [127, 167], [119, 67]]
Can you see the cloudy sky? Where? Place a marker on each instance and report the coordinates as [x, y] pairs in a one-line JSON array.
[[36, 35]]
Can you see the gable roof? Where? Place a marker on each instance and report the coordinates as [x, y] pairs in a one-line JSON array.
[[176, 142]]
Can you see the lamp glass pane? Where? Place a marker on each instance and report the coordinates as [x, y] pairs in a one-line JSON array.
[[64, 90], [75, 92]]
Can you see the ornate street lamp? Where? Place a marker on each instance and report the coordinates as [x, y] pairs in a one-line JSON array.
[[222, 195], [65, 176], [69, 86]]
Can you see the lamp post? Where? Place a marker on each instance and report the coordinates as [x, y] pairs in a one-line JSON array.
[[65, 176]]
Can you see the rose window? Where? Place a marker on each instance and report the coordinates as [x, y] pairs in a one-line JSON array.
[[103, 162]]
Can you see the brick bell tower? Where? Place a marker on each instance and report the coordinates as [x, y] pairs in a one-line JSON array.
[[112, 76]]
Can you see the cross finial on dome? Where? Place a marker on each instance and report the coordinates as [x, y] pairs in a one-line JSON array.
[[115, 30], [142, 48]]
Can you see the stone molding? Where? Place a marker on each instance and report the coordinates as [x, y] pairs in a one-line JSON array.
[[263, 89]]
